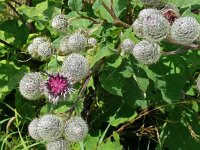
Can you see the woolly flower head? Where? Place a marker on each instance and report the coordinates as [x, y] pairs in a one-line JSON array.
[[147, 52], [60, 144], [59, 22], [185, 30], [64, 48], [32, 129], [39, 40], [50, 127], [137, 27], [45, 49], [75, 67], [127, 46], [75, 129], [33, 47], [152, 25], [30, 86], [146, 13], [33, 50], [77, 42], [156, 28], [56, 87], [92, 42]]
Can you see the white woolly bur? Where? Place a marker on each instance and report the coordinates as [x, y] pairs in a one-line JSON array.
[[75, 67], [30, 86], [64, 45], [147, 52], [92, 42], [60, 144], [155, 27], [185, 30], [137, 27], [45, 49], [127, 46], [39, 40], [75, 129], [145, 13], [59, 22], [77, 42], [33, 50], [32, 129], [50, 127]]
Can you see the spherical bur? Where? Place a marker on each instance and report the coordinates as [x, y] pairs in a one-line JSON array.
[[127, 46], [92, 42], [45, 49], [77, 42], [30, 86], [39, 40], [33, 50], [137, 28], [60, 144], [50, 127], [155, 27], [147, 52], [75, 67], [185, 30], [64, 48], [59, 22], [56, 87], [32, 129], [146, 13], [75, 129]]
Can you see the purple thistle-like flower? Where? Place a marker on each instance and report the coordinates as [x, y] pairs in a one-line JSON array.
[[57, 86]]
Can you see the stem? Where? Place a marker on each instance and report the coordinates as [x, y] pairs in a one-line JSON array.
[[83, 89], [182, 50], [6, 43], [81, 92], [13, 8], [86, 17], [117, 21]]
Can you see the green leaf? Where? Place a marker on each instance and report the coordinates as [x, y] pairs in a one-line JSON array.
[[10, 76], [75, 5], [169, 76], [182, 131], [23, 106], [109, 145], [101, 53], [112, 81], [101, 12], [185, 3]]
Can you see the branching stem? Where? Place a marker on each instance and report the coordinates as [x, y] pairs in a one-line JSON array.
[[182, 50], [117, 21]]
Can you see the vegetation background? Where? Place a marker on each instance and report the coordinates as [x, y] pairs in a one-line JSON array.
[[127, 105]]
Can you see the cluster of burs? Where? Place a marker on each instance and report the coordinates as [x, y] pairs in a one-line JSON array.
[[162, 21], [57, 132], [154, 25]]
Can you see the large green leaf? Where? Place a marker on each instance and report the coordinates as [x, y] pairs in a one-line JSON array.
[[184, 3], [10, 76], [169, 76], [75, 4], [182, 131], [14, 32]]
